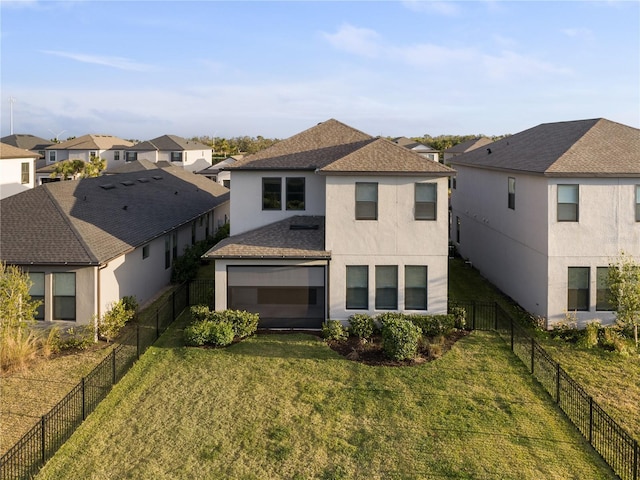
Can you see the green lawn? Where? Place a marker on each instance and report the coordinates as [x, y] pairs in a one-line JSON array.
[[280, 406]]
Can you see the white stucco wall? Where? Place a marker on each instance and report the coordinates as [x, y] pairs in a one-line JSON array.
[[11, 176], [246, 199], [396, 238]]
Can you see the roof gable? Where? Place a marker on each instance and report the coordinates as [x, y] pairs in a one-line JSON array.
[[27, 142], [92, 142], [10, 152], [469, 145], [595, 147]]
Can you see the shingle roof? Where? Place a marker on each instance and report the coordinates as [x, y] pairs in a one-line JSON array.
[[469, 145], [92, 142], [333, 147], [27, 142], [413, 145], [596, 147], [294, 237], [9, 151], [81, 222], [169, 143]]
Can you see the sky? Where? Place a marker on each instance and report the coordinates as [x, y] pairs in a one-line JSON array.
[[142, 69]]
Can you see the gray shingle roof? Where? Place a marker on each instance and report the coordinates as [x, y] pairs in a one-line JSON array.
[[596, 147], [333, 147], [469, 145], [80, 222], [277, 240], [27, 142], [168, 143]]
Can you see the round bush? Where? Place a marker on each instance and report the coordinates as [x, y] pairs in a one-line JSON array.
[[361, 325], [400, 338], [220, 333], [333, 330]]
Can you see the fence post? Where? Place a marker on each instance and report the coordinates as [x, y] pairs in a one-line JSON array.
[[43, 441], [533, 356], [635, 459], [557, 383], [511, 334], [590, 420], [84, 410], [113, 366], [138, 341]]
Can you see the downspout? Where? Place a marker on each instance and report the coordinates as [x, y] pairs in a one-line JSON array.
[[98, 300]]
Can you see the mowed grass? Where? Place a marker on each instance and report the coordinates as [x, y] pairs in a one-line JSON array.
[[285, 406]]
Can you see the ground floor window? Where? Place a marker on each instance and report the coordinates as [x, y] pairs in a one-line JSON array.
[[64, 296], [36, 292], [357, 287], [578, 289], [415, 287], [603, 292], [386, 287]]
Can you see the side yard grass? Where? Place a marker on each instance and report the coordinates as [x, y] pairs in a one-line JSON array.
[[280, 406]]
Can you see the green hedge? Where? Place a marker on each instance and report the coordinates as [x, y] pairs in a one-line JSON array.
[[219, 328]]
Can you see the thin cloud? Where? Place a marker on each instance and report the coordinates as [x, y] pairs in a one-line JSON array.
[[120, 63], [580, 33], [441, 8], [361, 41], [510, 64]]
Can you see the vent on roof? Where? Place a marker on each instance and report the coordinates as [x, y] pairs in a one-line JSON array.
[[127, 183], [143, 180], [303, 226], [107, 186], [157, 177]]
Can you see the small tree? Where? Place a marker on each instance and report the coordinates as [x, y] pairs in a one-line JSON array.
[[94, 167], [624, 285]]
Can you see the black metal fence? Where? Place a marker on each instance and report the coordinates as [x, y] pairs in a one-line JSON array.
[[39, 444], [614, 444]]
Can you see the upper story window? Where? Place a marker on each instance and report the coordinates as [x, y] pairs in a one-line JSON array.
[[568, 201], [176, 156], [130, 156], [116, 155], [426, 201], [366, 201], [52, 156], [272, 193], [24, 172], [637, 203], [295, 187], [93, 154], [511, 200]]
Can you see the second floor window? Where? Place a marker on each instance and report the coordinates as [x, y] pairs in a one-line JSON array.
[[52, 156], [24, 173], [426, 201], [568, 196], [130, 156], [511, 200], [176, 156], [295, 193], [366, 201], [272, 193]]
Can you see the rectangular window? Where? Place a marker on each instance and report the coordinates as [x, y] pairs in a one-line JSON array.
[[52, 156], [578, 289], [64, 296], [24, 172], [272, 193], [637, 203], [176, 156], [366, 201], [603, 292], [145, 251], [358, 287], [36, 292], [130, 156], [193, 233], [167, 252], [568, 203], [426, 196], [457, 229], [93, 154], [174, 242], [116, 155], [226, 183], [295, 193], [387, 287], [415, 287], [511, 201]]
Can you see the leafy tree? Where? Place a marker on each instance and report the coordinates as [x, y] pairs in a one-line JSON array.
[[17, 310], [74, 169], [94, 167], [624, 285]]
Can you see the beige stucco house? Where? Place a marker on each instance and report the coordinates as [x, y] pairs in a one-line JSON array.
[[180, 152], [332, 222], [542, 213], [107, 147], [17, 170]]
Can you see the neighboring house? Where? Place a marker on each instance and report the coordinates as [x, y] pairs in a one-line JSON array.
[[332, 222], [219, 173], [28, 142], [420, 148], [90, 242], [541, 214], [17, 170], [83, 148], [188, 154], [465, 147]]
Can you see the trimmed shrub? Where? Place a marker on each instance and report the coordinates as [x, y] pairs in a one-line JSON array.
[[433, 325], [220, 333], [244, 323], [199, 312], [114, 319], [334, 330], [196, 334], [361, 325], [213, 327], [589, 336], [400, 338], [460, 317]]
